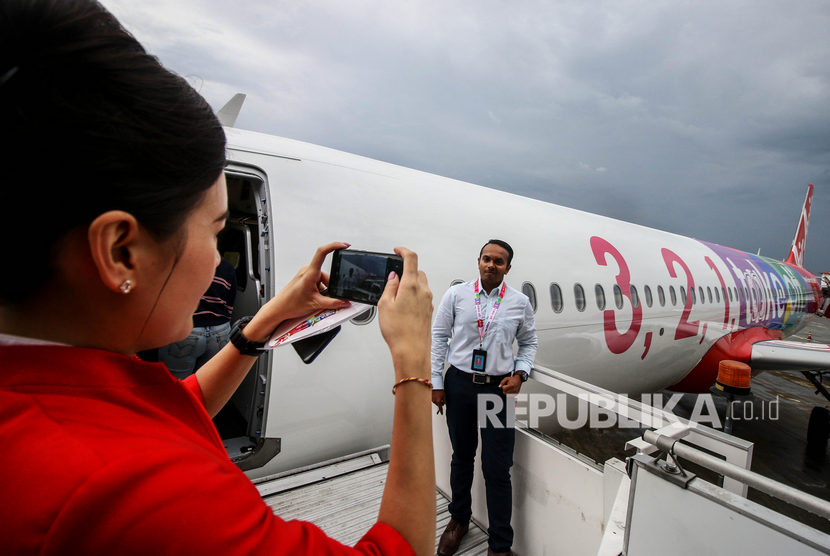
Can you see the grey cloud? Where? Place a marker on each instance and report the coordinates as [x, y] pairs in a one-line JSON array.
[[708, 118]]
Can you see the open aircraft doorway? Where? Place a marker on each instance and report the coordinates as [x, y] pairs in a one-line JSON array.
[[245, 242]]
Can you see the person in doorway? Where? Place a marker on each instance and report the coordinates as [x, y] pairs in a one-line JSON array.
[[474, 330], [211, 326]]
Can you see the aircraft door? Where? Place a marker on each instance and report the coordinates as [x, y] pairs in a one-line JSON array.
[[245, 243]]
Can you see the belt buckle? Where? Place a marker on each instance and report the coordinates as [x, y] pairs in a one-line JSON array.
[[479, 378]]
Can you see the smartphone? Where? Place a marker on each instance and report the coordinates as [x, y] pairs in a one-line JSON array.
[[361, 275]]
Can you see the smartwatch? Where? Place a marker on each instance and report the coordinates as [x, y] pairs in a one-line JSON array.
[[243, 344], [522, 375]]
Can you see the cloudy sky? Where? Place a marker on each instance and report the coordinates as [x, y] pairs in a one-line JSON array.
[[704, 118]]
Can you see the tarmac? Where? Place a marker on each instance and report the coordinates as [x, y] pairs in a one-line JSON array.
[[774, 419]]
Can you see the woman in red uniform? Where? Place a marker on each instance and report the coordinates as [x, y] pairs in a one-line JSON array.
[[113, 193]]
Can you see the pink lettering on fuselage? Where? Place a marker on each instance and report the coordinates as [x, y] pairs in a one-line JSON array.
[[618, 342], [723, 289], [685, 328]]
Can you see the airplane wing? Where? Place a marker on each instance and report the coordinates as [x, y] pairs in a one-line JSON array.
[[789, 355]]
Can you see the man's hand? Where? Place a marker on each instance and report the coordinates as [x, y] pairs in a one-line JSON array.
[[508, 385], [439, 399]]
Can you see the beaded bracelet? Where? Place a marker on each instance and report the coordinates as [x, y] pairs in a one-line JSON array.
[[424, 381]]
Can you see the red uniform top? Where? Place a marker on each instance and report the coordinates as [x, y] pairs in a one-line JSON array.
[[106, 454]]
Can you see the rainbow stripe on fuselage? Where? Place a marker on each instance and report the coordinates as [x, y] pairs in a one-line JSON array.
[[774, 295]]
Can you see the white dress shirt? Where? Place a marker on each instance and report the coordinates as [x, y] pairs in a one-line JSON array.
[[455, 330]]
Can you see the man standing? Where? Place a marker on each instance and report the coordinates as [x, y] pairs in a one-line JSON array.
[[474, 330]]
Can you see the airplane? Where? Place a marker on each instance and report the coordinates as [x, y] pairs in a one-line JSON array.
[[622, 306]]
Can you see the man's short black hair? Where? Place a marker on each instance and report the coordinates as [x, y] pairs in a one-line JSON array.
[[500, 243]]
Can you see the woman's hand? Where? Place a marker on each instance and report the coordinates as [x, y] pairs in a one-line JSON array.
[[408, 503], [301, 296], [405, 316]]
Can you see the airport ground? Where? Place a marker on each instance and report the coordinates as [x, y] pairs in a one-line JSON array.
[[779, 436]]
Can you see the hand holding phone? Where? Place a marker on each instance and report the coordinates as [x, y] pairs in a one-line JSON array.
[[299, 297], [361, 275]]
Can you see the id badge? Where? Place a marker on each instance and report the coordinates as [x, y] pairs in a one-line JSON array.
[[479, 360]]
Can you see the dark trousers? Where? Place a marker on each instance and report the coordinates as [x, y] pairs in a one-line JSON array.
[[496, 456]]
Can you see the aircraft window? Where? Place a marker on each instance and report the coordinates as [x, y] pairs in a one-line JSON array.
[[530, 292], [579, 295], [672, 295], [702, 297], [683, 298], [717, 295], [556, 298], [600, 293], [661, 296], [635, 299], [709, 293], [456, 282], [618, 297], [693, 295], [647, 292]]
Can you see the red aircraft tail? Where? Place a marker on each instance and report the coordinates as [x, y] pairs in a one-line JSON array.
[[796, 256]]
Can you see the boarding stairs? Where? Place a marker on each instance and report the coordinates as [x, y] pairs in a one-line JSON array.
[[343, 496], [568, 504]]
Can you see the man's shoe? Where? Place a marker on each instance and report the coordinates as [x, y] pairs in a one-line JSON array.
[[451, 538], [491, 553]]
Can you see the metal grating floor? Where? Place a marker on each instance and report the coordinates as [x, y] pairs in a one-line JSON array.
[[345, 507]]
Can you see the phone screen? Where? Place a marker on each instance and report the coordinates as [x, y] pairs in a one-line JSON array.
[[361, 275]]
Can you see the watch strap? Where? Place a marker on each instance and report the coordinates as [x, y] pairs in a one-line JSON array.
[[243, 344], [522, 375]]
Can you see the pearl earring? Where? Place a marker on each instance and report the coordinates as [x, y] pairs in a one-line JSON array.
[[126, 286]]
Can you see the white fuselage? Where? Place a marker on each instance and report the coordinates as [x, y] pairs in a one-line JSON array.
[[342, 402]]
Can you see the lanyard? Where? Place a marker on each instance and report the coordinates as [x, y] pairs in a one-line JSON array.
[[482, 326]]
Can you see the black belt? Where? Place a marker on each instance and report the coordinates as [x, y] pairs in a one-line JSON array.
[[481, 378]]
